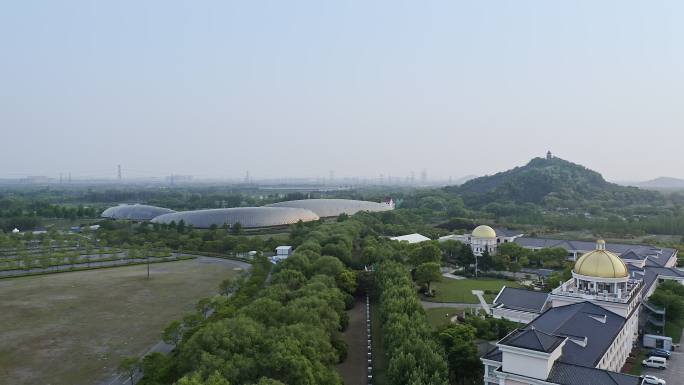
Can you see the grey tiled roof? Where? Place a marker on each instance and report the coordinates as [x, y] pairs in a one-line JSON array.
[[521, 299], [579, 321], [503, 232], [659, 256], [651, 273], [494, 355], [532, 339], [568, 374]]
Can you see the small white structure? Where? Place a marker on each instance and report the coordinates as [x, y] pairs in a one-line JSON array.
[[411, 238], [657, 342], [283, 251], [389, 202], [15, 231]]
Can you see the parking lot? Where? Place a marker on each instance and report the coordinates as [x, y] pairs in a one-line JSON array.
[[674, 374]]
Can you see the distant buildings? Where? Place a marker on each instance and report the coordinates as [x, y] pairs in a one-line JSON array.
[[484, 238]]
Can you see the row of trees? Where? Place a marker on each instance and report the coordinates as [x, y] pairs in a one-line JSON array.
[[286, 331], [216, 240], [414, 356]]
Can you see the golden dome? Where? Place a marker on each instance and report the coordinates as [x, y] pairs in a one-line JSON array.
[[484, 231], [601, 263]]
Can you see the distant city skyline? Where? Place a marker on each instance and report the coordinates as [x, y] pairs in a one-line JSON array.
[[300, 88]]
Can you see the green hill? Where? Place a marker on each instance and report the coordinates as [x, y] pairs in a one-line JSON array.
[[549, 182]]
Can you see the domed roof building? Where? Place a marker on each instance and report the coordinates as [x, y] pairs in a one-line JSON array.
[[248, 217], [483, 240], [601, 263], [484, 231], [326, 208], [601, 277], [134, 212]]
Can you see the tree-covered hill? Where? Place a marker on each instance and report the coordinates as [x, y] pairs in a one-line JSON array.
[[549, 182]]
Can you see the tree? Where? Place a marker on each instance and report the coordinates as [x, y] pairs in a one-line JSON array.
[[130, 366], [425, 252], [347, 281], [196, 379], [157, 368], [236, 228], [450, 249], [427, 273], [464, 363], [173, 333], [670, 295]]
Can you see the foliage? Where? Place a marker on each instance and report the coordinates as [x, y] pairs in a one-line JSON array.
[[414, 357], [548, 182], [427, 273], [670, 295], [490, 328], [464, 362]]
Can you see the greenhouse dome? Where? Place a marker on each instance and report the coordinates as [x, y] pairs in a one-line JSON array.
[[248, 217], [334, 207], [135, 212]]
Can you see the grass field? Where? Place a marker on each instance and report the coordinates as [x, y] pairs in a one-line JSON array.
[[441, 316], [73, 328], [460, 290]]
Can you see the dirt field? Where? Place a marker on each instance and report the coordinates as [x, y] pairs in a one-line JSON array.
[[73, 328]]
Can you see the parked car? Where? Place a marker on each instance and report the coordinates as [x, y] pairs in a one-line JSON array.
[[660, 353], [651, 380], [655, 362]]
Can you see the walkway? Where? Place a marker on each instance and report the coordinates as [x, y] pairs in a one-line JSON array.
[[480, 295], [353, 368], [434, 305]]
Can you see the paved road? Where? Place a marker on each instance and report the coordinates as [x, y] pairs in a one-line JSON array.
[[161, 346], [480, 295], [674, 374], [433, 305]]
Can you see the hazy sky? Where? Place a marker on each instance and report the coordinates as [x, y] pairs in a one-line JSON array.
[[298, 88]]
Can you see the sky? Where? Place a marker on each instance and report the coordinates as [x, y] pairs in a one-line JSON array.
[[361, 88]]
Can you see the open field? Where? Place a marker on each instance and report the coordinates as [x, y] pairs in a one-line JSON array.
[[73, 328], [460, 290]]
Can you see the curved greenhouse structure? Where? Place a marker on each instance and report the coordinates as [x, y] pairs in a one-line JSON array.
[[135, 212], [248, 217], [334, 207]]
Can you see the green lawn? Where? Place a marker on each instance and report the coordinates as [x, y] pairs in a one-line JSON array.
[[460, 290], [441, 316]]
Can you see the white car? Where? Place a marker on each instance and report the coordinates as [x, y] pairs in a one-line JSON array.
[[653, 380]]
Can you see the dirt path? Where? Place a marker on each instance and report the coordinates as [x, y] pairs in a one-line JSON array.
[[353, 369]]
